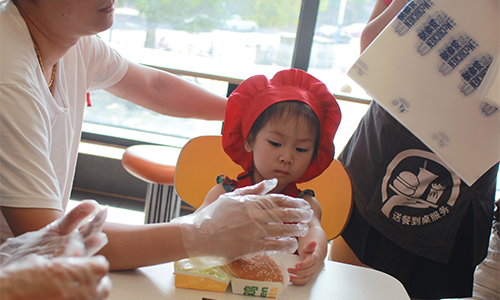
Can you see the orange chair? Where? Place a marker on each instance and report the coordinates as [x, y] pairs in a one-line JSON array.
[[202, 159]]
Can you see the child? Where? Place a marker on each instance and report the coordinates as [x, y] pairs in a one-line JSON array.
[[282, 128]]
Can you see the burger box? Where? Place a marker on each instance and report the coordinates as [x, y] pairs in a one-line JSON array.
[[256, 288], [215, 279], [210, 279]]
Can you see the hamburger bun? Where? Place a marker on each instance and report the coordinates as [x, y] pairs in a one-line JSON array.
[[258, 267]]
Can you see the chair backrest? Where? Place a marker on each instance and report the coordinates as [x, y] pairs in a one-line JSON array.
[[202, 159]]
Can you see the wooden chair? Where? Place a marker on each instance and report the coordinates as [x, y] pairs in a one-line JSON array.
[[202, 159]]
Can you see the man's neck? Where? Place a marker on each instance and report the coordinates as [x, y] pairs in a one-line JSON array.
[[51, 46]]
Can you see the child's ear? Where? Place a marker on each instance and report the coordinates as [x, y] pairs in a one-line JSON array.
[[248, 146]]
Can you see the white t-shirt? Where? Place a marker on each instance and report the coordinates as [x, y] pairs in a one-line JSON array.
[[40, 133]]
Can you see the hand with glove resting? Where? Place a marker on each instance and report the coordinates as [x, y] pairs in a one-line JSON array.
[[71, 235], [246, 221]]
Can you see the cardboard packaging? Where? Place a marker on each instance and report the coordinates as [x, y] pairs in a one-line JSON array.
[[211, 279], [256, 288], [216, 280]]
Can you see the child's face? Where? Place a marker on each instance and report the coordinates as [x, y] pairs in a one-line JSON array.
[[283, 149]]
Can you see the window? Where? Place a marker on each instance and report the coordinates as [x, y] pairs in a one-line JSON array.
[[233, 39], [336, 43]]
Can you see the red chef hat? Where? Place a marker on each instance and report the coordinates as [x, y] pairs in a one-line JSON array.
[[257, 93]]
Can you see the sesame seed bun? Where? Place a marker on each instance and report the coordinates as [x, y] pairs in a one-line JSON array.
[[258, 267]]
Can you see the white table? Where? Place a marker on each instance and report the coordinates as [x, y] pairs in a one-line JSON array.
[[335, 281]]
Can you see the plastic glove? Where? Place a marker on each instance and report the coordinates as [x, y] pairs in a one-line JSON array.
[[60, 278], [61, 237], [246, 221]]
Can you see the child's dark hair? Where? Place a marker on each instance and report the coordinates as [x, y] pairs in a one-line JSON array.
[[287, 109]]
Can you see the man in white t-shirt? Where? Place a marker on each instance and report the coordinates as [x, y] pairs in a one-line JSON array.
[[49, 59]]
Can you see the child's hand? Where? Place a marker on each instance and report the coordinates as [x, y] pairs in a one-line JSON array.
[[310, 261]]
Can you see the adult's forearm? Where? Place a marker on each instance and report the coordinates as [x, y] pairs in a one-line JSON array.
[[190, 100], [133, 246], [7, 289], [168, 94]]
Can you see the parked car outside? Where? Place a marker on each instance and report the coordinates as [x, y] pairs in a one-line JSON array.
[[238, 24], [332, 32]]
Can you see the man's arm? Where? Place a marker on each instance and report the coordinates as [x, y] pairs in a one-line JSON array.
[[168, 94], [130, 246], [22, 220], [251, 228]]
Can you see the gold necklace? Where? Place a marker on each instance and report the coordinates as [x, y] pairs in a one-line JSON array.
[[53, 76]]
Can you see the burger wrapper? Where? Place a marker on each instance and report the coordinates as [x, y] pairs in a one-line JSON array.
[[212, 279]]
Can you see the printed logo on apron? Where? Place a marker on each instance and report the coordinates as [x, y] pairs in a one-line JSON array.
[[412, 193]]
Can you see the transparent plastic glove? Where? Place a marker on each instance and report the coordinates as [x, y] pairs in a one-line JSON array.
[[61, 237], [246, 221], [60, 278]]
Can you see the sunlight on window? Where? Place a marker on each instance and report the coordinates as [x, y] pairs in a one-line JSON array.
[[336, 43], [225, 38]]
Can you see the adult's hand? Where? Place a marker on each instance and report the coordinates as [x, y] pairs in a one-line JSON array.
[[246, 221], [61, 237], [61, 278]]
